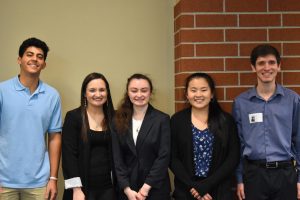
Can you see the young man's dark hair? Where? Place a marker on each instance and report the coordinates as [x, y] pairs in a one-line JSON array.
[[267, 167], [35, 43], [31, 107], [264, 50]]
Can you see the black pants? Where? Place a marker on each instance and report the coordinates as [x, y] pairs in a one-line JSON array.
[[108, 194], [261, 183]]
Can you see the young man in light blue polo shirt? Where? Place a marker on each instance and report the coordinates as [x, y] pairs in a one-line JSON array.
[[29, 109]]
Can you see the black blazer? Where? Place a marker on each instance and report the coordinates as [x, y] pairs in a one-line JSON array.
[[75, 152], [147, 161], [224, 161]]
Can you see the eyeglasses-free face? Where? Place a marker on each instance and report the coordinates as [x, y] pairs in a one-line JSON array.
[[199, 93], [139, 92], [96, 93]]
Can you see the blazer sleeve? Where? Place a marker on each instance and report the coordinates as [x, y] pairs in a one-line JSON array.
[[176, 165], [160, 166], [70, 147], [228, 166], [121, 169]]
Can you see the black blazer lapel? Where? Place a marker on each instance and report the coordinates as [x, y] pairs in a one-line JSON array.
[[145, 128], [130, 141]]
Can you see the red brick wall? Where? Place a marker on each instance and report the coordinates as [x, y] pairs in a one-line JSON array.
[[217, 36]]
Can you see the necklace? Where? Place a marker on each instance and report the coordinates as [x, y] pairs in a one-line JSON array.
[[137, 129], [203, 122], [199, 123], [137, 125], [94, 125]]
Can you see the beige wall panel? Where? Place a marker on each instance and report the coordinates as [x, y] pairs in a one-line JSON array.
[[113, 37]]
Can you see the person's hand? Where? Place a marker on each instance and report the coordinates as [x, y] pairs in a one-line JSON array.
[[140, 196], [51, 190], [195, 194], [78, 194], [240, 191], [206, 197], [131, 194], [143, 192]]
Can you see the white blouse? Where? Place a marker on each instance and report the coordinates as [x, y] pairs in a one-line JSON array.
[[136, 127]]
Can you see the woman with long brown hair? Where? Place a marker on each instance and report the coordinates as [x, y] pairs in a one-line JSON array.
[[86, 143], [141, 144]]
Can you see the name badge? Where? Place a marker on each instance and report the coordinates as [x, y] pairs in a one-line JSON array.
[[255, 118]]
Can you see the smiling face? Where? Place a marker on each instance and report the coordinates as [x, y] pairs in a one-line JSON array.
[[96, 93], [139, 92], [266, 68], [199, 93], [32, 61]]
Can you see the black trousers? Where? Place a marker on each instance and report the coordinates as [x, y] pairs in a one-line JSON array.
[[261, 183], [108, 194]]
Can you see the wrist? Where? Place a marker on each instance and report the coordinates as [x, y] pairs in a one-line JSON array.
[[126, 190], [53, 178], [145, 190], [76, 189], [144, 195]]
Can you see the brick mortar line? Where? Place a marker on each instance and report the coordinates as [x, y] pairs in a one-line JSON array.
[[214, 57], [231, 72], [236, 13], [240, 42], [237, 27]]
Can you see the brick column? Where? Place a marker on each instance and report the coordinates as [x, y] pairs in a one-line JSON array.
[[217, 36]]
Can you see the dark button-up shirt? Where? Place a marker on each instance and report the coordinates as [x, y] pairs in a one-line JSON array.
[[268, 129]]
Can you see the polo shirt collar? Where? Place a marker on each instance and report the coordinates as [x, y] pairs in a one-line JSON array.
[[19, 86], [253, 92]]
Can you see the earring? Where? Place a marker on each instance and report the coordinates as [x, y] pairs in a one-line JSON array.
[[85, 102]]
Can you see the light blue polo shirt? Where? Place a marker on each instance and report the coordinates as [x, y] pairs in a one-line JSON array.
[[24, 121]]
